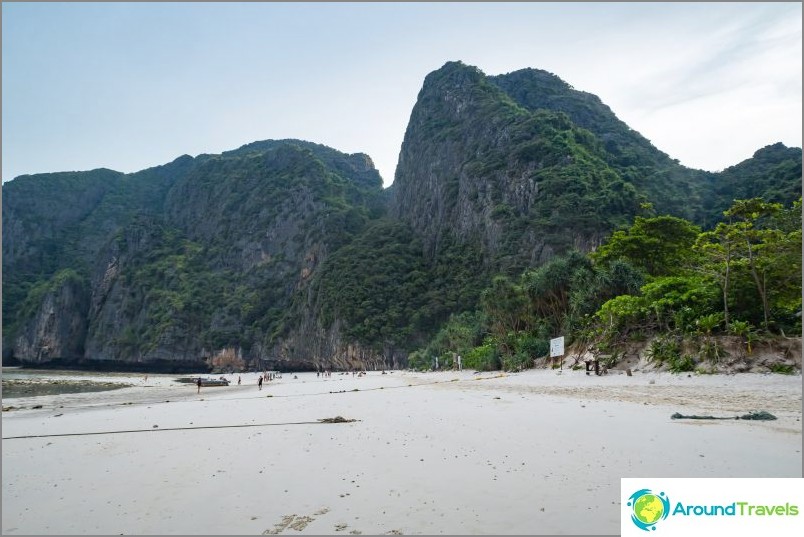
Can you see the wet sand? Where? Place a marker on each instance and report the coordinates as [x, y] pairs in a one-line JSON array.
[[430, 453]]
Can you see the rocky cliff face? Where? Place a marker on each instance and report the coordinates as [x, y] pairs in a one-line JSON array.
[[477, 166], [669, 186], [57, 329], [207, 254]]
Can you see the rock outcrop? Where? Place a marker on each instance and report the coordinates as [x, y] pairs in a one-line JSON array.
[[57, 329]]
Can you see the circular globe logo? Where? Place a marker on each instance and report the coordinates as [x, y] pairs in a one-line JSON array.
[[648, 508]]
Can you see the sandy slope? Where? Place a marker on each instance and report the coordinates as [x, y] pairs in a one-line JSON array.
[[536, 452]]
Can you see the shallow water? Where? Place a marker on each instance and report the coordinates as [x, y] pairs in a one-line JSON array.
[[19, 382]]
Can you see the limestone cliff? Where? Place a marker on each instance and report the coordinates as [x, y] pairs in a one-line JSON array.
[[57, 328], [526, 185]]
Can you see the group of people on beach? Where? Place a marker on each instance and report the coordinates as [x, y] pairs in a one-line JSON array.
[[328, 373], [265, 377]]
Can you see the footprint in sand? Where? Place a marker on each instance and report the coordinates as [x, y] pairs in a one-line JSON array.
[[281, 526], [301, 522], [294, 522]]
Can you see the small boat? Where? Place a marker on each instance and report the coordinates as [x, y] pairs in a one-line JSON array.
[[204, 381], [214, 382]]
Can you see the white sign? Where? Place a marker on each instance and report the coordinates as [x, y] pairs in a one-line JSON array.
[[557, 347]]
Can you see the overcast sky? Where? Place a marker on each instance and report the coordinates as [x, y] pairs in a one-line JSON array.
[[127, 86]]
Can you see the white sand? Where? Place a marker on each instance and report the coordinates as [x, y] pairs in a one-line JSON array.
[[530, 453]]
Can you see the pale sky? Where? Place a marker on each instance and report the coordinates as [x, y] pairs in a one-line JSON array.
[[127, 86]]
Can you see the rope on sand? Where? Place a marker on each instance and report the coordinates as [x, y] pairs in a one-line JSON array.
[[754, 415], [156, 429]]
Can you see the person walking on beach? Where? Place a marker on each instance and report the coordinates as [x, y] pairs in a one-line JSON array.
[[198, 383], [259, 382]]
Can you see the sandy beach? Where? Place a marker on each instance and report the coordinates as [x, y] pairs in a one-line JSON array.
[[536, 452]]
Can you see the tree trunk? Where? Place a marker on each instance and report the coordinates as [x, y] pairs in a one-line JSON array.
[[760, 285], [726, 286]]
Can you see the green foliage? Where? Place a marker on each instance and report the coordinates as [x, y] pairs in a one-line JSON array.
[[419, 361], [784, 369], [711, 350], [774, 174], [459, 335], [663, 349], [675, 302], [682, 365], [623, 309], [666, 350], [755, 258], [707, 323], [485, 357], [378, 286], [746, 331], [660, 246]]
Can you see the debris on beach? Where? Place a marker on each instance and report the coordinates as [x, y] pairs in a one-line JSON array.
[[753, 415], [336, 419], [761, 415]]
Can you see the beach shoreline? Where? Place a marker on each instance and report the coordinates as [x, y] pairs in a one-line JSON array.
[[537, 452]]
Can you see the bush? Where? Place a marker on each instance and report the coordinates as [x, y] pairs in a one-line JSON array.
[[517, 362], [681, 364], [664, 349], [711, 350], [483, 358], [418, 361], [784, 369]]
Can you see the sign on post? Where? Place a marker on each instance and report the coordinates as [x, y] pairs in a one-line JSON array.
[[557, 349]]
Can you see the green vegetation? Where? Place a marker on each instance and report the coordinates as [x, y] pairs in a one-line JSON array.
[[661, 276]]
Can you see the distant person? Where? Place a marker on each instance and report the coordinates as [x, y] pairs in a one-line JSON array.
[[238, 380], [259, 382], [198, 383]]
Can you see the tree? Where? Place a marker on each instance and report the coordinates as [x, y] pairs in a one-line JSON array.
[[760, 247], [716, 251], [744, 219], [505, 305], [659, 246], [549, 288]]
